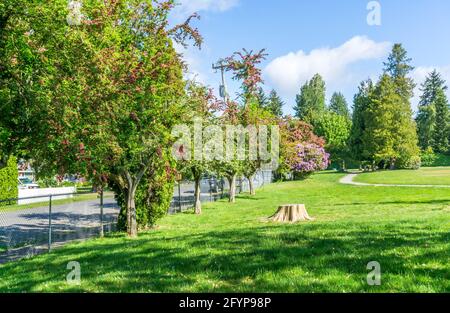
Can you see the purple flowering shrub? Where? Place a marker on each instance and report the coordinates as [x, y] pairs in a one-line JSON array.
[[308, 158]]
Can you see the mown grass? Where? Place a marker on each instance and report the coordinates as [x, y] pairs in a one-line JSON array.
[[233, 248], [423, 176]]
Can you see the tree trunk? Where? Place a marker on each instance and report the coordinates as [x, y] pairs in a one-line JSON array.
[[131, 214], [392, 164], [133, 183], [232, 182], [291, 213], [198, 203], [251, 184]]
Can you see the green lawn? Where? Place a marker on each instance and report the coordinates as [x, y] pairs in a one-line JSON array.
[[424, 176], [232, 247]]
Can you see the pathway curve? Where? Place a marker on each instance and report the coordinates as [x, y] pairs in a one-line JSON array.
[[348, 180]]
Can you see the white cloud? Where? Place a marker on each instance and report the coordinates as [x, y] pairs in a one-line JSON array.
[[187, 7], [287, 73], [420, 73], [193, 59]]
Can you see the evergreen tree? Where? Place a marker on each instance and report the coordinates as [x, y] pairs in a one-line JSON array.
[[361, 102], [275, 104], [310, 103], [404, 129], [426, 121], [339, 105], [379, 121], [262, 98], [426, 117], [432, 84], [390, 137], [442, 126], [398, 67]]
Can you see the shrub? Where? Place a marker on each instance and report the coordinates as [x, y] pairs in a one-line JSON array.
[[9, 180], [428, 157], [308, 159], [413, 163]]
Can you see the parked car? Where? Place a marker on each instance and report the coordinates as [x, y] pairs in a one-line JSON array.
[[27, 183]]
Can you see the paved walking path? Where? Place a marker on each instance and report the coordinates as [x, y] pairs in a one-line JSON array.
[[348, 180]]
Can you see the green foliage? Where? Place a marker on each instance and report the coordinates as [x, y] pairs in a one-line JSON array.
[[153, 195], [8, 180], [275, 104], [441, 134], [398, 67], [99, 98], [390, 134], [335, 129], [426, 122], [361, 104], [398, 63], [310, 103], [339, 105], [441, 160], [261, 97], [433, 117], [384, 117], [432, 159], [34, 51], [428, 157]]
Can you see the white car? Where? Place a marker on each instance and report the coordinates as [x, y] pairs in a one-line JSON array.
[[26, 183]]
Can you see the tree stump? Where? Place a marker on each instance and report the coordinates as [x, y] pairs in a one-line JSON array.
[[291, 213]]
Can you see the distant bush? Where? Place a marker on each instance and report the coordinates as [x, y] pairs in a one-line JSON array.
[[9, 180], [431, 159], [428, 157], [413, 163]]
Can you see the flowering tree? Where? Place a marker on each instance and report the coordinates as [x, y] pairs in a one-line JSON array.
[[244, 66], [98, 95], [201, 106], [294, 133], [230, 167], [307, 159]]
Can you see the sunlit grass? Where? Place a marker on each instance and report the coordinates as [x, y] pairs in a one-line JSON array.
[[424, 176], [233, 248]]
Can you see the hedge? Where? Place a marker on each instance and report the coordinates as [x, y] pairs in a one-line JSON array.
[[9, 180]]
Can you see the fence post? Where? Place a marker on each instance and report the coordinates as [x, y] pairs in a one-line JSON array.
[[179, 195], [101, 214], [210, 191], [50, 224]]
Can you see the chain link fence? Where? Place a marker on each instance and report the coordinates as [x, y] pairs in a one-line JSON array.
[[32, 225], [212, 189]]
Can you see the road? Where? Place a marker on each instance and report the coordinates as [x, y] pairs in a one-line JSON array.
[[24, 231]]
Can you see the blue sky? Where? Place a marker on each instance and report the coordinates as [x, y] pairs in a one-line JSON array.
[[331, 37]]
